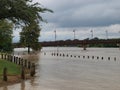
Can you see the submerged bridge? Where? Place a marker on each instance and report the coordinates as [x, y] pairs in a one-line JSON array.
[[83, 43]]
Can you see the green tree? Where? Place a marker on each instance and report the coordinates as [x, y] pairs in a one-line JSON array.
[[6, 35], [24, 13], [29, 37], [21, 11]]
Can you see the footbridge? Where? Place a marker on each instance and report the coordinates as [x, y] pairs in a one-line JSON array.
[[83, 43]]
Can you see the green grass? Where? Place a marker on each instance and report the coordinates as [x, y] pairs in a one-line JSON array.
[[12, 69]]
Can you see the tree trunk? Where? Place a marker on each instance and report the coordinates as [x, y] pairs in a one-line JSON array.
[[28, 49]]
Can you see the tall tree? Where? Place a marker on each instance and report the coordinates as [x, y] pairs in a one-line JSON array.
[[24, 13], [6, 35], [29, 37]]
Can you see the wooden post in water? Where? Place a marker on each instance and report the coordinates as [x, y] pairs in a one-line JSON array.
[[88, 57], [5, 74], [102, 58], [21, 61], [32, 70], [84, 45], [29, 65], [60, 54], [67, 55], [83, 56], [44, 53], [22, 73], [63, 55], [97, 57]]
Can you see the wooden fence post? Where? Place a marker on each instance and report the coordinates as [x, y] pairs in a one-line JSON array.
[[19, 61], [16, 60], [1, 56], [5, 56], [22, 62], [25, 63], [8, 57], [5, 74], [97, 57], [67, 55], [29, 65], [102, 58], [83, 56], [32, 70], [11, 58], [22, 73], [88, 57]]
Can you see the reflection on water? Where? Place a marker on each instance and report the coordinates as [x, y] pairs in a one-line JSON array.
[[69, 73], [23, 85], [5, 88]]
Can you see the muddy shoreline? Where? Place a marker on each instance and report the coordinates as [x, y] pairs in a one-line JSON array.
[[13, 79]]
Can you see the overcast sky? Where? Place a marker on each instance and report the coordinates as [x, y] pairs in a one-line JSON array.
[[81, 16]]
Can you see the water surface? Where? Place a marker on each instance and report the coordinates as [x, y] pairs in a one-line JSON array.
[[73, 73]]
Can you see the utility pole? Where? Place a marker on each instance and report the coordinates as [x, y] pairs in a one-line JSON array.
[[55, 35], [106, 34], [119, 31], [119, 43], [74, 33], [55, 41], [91, 34]]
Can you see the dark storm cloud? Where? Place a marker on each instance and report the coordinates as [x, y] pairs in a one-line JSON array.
[[84, 13]]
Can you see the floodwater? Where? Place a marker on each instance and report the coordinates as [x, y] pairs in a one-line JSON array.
[[74, 73]]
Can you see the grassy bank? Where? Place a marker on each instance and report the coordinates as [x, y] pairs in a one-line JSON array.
[[12, 68], [13, 73]]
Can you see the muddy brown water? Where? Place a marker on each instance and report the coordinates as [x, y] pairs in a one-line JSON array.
[[73, 73]]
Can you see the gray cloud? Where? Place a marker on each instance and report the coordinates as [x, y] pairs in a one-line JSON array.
[[82, 15], [75, 13]]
